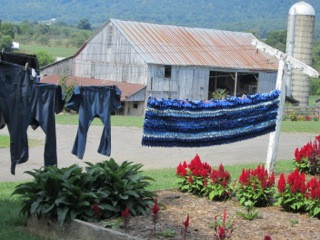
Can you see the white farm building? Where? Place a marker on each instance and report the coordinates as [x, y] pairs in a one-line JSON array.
[[170, 62]]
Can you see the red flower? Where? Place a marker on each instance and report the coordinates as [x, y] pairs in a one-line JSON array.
[[186, 222], [155, 208], [190, 179], [181, 170], [96, 210], [281, 183], [125, 213], [221, 232], [297, 155], [267, 237]]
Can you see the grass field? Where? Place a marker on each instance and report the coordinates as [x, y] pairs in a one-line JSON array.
[[122, 121], [54, 51], [301, 126], [5, 142]]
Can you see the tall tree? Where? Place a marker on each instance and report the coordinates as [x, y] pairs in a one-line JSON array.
[[84, 24]]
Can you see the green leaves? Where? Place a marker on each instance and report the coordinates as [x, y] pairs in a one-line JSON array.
[[68, 193]]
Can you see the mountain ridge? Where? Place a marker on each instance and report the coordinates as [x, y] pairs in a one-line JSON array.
[[259, 16]]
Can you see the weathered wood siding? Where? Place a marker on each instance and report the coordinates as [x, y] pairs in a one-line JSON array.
[[134, 108], [108, 55], [267, 82], [138, 96], [64, 67], [185, 82]]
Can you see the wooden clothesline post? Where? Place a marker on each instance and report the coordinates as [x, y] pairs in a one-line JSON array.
[[284, 62]]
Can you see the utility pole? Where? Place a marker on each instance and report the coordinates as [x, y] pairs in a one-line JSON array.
[[285, 62]]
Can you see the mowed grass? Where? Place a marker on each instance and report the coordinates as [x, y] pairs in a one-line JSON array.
[[5, 142], [11, 221], [122, 121], [301, 126], [54, 51]]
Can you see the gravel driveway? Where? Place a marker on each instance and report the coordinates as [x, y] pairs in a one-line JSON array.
[[126, 145]]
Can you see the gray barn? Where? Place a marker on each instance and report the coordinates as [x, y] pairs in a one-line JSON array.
[[171, 61]]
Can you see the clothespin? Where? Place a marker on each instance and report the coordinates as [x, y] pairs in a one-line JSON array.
[[26, 66]]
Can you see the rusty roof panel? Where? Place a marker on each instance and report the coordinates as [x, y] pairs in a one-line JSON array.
[[127, 89], [174, 45]]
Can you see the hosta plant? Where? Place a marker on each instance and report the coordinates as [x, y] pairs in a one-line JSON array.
[[192, 177], [291, 192], [307, 158], [58, 194], [104, 190], [255, 185], [218, 186], [119, 187]]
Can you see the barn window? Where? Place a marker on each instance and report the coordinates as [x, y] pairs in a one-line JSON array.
[[135, 105], [167, 71], [110, 33]]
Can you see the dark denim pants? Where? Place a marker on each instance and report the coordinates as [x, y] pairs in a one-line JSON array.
[[94, 101], [15, 92], [46, 100]]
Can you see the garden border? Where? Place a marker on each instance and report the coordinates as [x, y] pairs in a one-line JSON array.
[[75, 230]]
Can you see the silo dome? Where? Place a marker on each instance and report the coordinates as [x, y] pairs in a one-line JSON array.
[[302, 8]]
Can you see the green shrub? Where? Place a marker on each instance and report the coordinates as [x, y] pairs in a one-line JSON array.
[[314, 86], [119, 187], [59, 194], [102, 191]]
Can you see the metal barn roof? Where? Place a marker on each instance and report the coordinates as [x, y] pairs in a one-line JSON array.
[[184, 46]]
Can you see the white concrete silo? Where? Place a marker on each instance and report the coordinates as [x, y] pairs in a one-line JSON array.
[[300, 39]]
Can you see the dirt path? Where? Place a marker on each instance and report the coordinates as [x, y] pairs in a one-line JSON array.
[[126, 145]]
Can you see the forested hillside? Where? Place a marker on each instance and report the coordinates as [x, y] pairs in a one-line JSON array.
[[260, 16]]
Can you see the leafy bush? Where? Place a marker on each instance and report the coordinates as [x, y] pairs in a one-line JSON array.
[[255, 186], [218, 186], [291, 192], [314, 86], [103, 190], [293, 116], [60, 194], [119, 187], [193, 176], [307, 159]]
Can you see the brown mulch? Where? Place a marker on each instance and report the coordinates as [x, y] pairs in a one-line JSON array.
[[175, 206]]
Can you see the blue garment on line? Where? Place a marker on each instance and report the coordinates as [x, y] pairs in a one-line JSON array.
[[46, 100], [178, 123], [15, 92], [91, 102]]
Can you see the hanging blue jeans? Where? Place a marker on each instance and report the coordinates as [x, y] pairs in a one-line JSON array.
[[46, 100], [15, 92], [94, 101], [2, 121]]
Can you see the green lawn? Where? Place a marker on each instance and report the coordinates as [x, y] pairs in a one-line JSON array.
[[123, 121], [300, 126], [10, 219], [5, 142], [54, 51]]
